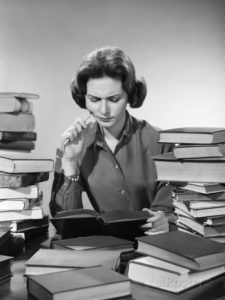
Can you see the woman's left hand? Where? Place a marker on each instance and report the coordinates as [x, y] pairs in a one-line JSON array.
[[156, 223]]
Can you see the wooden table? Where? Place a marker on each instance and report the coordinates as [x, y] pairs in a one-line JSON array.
[[14, 288]]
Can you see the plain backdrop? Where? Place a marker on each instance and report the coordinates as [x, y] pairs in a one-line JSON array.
[[176, 45]]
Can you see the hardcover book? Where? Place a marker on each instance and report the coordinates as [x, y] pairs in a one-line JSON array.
[[183, 249], [17, 122], [167, 276], [199, 213], [11, 105], [30, 192], [213, 189], [169, 168], [18, 204], [123, 224], [90, 283], [193, 135], [24, 163], [188, 195], [19, 95], [94, 242], [210, 220], [53, 260], [5, 266], [198, 151], [18, 145], [9, 136], [23, 225], [32, 213], [202, 228], [22, 180]]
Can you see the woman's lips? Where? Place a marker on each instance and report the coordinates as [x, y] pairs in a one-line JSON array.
[[104, 119]]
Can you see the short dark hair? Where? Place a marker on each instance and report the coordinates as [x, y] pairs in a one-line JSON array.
[[114, 63]]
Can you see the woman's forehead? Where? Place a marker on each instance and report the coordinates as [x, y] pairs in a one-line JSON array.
[[104, 86]]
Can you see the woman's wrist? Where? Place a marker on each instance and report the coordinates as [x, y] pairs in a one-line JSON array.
[[70, 167]]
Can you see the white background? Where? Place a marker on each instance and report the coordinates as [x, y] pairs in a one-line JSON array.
[[177, 45]]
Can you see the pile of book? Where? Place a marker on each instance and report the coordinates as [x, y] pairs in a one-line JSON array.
[[89, 264], [20, 171], [196, 171], [179, 262]]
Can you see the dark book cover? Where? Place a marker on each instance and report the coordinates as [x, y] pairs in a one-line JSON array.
[[14, 136], [8, 180], [190, 251], [83, 222]]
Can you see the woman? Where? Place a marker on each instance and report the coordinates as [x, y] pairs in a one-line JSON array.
[[110, 157]]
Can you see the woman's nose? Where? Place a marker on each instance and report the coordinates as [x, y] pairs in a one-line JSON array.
[[104, 107]]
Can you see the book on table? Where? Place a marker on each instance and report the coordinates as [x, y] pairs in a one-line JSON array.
[[5, 266], [9, 180], [167, 276], [199, 151], [9, 136], [90, 283], [17, 122], [183, 249], [24, 163], [94, 242], [54, 260], [169, 168], [193, 135], [83, 222]]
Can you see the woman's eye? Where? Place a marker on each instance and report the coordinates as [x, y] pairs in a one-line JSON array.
[[114, 99], [94, 99]]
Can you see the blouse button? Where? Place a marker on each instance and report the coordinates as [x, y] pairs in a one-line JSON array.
[[116, 166], [122, 192]]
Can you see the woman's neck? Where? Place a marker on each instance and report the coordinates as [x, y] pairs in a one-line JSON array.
[[113, 135], [115, 132]]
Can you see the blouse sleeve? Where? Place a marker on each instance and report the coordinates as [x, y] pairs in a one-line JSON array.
[[66, 194], [163, 195]]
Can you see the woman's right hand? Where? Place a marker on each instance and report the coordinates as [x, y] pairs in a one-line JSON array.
[[74, 137]]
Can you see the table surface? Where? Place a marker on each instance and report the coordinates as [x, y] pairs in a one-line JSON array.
[[14, 287]]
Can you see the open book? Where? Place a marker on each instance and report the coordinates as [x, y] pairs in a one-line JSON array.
[[83, 222]]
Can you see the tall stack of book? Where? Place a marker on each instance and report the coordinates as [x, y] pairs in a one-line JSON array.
[[196, 171], [20, 171]]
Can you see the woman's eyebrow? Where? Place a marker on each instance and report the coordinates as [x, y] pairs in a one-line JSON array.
[[114, 95], [92, 96]]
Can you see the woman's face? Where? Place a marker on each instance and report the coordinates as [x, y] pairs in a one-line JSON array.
[[107, 100]]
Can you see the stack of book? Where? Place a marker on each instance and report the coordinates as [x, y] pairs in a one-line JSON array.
[[17, 121], [20, 198], [20, 171], [196, 171], [178, 262]]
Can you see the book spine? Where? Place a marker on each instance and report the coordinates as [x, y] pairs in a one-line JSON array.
[[9, 136]]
